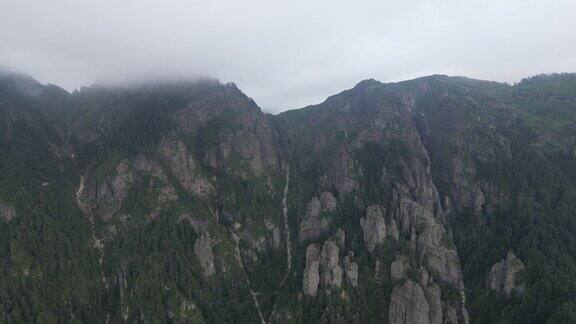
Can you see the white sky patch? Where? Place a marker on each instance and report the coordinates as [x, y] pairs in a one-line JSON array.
[[285, 54]]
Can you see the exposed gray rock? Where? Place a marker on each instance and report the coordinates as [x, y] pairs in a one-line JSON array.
[[393, 230], [423, 277], [110, 194], [105, 198], [250, 135], [328, 201], [183, 166], [7, 212], [352, 273], [330, 261], [311, 278], [373, 227], [478, 201], [451, 316], [503, 274], [433, 296], [339, 173], [203, 251], [408, 305], [276, 237], [399, 268], [313, 225], [440, 256]]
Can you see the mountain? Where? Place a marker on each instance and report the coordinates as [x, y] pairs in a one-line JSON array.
[[434, 200]]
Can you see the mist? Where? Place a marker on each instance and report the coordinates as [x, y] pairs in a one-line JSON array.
[[285, 54]]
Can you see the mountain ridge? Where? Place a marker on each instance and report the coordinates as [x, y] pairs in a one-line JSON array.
[[403, 203]]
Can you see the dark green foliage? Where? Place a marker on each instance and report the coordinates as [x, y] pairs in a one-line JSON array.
[[518, 138]]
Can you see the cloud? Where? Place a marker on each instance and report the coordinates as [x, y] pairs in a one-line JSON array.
[[285, 54]]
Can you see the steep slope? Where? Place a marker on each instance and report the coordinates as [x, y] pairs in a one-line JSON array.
[[41, 228], [435, 200], [505, 166], [177, 189], [364, 181], [497, 162], [183, 163]]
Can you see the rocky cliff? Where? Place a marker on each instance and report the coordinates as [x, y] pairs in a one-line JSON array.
[[183, 202]]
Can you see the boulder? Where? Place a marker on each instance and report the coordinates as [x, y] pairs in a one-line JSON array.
[[503, 274], [311, 277], [328, 201], [351, 270], [203, 251], [313, 226], [373, 227], [433, 296], [330, 261], [399, 268], [408, 305]]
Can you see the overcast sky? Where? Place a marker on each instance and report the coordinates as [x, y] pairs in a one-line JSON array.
[[286, 54]]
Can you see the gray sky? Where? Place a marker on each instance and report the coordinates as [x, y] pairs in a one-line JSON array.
[[286, 54]]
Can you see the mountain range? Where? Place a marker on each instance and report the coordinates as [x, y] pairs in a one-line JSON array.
[[434, 200]]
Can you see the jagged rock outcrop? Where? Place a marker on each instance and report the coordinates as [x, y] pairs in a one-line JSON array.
[[399, 268], [434, 298], [249, 134], [106, 197], [203, 251], [7, 212], [373, 227], [451, 316], [311, 278], [393, 230], [339, 173], [408, 305], [382, 170], [323, 267], [330, 262], [276, 238], [182, 165], [412, 303], [351, 137], [313, 225], [503, 275], [351, 270], [328, 201]]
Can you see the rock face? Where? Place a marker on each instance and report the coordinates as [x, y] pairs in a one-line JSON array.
[[311, 278], [399, 268], [408, 305], [381, 170], [7, 212], [352, 142], [373, 227], [324, 267], [451, 315], [313, 225], [328, 201], [330, 261], [203, 251], [352, 273], [503, 274], [433, 295], [182, 164]]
